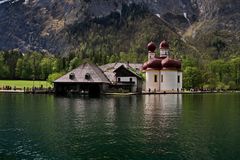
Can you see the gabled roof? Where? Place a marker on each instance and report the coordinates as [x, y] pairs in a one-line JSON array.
[[113, 66], [85, 73], [109, 68], [128, 69]]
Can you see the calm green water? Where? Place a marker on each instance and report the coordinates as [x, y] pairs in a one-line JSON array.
[[129, 127]]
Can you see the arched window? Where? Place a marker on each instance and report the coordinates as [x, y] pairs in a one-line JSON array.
[[71, 76], [87, 76]]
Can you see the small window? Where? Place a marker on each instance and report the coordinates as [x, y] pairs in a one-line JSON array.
[[71, 76], [178, 79], [161, 78], [87, 76], [119, 79], [155, 78], [130, 79]]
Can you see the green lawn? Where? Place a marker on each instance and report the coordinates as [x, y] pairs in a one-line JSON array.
[[24, 83]]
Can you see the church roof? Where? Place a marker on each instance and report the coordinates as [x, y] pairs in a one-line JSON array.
[[162, 63], [171, 63], [164, 45], [155, 64], [151, 47], [85, 73]]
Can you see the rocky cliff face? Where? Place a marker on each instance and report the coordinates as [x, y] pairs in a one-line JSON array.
[[54, 25], [36, 25], [223, 12]]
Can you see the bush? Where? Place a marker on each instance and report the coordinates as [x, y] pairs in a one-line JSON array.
[[222, 86], [232, 85], [54, 76]]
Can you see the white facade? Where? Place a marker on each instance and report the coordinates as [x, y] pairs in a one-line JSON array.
[[164, 52], [151, 55], [129, 80], [152, 80], [171, 80], [163, 80]]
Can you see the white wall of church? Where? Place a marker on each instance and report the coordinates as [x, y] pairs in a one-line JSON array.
[[166, 80], [170, 80], [152, 84]]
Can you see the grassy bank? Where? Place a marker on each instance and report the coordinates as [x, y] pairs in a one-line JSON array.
[[24, 83]]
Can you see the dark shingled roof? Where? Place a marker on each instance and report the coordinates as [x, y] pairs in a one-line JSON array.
[[130, 69], [109, 68], [79, 75]]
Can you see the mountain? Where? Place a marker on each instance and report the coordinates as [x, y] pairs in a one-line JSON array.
[[114, 26]]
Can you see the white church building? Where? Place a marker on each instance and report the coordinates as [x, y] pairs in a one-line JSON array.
[[163, 74]]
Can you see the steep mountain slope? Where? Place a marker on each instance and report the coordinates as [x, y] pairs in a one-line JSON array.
[[114, 26], [35, 24], [217, 19]]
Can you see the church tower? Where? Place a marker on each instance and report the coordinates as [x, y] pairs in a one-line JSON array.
[[151, 50], [164, 49], [163, 74]]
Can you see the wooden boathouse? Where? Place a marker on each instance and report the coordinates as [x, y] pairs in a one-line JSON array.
[[86, 79]]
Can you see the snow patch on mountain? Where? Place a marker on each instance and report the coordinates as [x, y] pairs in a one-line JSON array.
[[4, 1], [13, 1]]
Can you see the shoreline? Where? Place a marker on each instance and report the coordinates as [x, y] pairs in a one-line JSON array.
[[121, 94], [166, 93], [27, 91]]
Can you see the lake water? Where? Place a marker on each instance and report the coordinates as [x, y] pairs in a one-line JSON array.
[[124, 127]]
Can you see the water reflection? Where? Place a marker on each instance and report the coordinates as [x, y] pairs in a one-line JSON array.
[[162, 111], [129, 122], [166, 104], [122, 127], [115, 111]]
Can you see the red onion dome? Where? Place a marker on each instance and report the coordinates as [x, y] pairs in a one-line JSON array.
[[151, 46], [164, 45], [145, 66], [155, 64], [168, 63]]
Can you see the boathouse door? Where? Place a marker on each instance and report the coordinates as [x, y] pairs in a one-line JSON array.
[[94, 90]]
